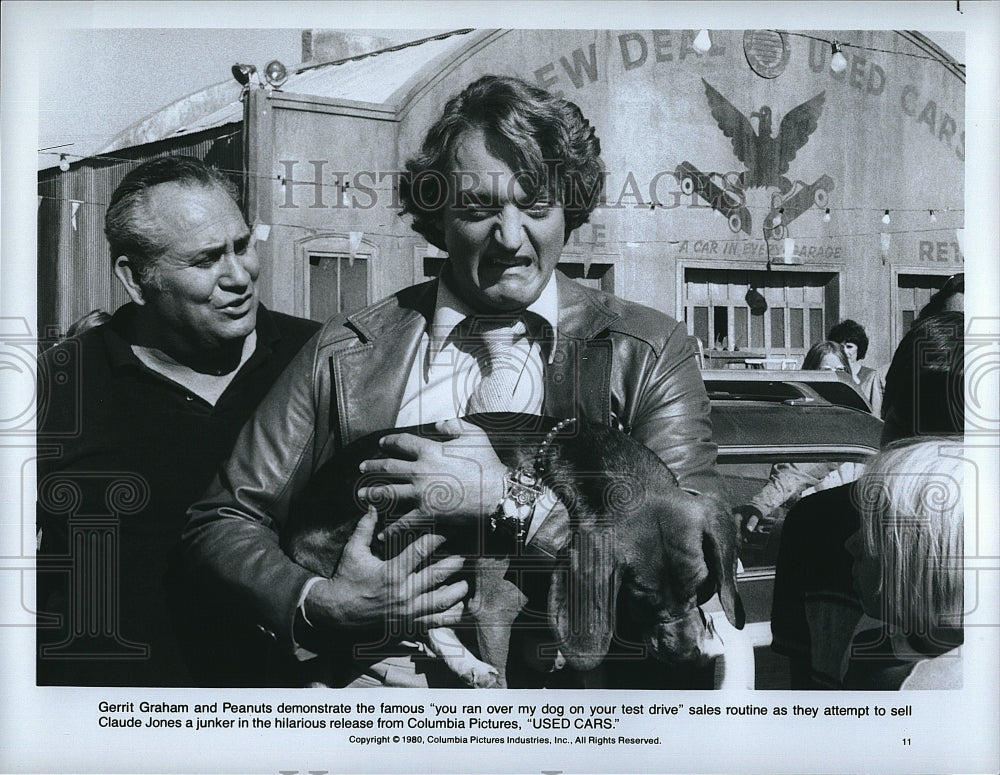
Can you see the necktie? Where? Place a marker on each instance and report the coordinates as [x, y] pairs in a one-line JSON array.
[[502, 369]]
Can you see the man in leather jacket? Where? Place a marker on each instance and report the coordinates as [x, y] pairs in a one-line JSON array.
[[593, 356]]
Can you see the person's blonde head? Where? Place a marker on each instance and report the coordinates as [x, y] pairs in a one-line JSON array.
[[911, 536]]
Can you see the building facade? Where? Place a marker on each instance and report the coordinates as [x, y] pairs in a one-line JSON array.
[[751, 166]]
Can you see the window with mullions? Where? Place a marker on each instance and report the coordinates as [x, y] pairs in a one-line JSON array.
[[799, 306], [337, 284]]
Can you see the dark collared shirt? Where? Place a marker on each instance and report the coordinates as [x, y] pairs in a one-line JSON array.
[[123, 451]]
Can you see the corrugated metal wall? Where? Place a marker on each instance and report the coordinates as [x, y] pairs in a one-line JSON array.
[[74, 263]]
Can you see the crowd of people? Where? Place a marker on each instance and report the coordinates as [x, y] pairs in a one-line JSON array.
[[902, 517], [198, 418]]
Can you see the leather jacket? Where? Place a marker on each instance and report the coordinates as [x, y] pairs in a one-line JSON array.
[[615, 362]]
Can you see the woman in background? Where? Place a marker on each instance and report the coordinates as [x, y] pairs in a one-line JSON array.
[[816, 608], [827, 356], [871, 383]]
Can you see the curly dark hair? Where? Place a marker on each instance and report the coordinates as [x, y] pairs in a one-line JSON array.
[[545, 140], [850, 331]]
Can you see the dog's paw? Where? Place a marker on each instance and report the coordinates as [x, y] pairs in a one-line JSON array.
[[442, 642], [481, 676]]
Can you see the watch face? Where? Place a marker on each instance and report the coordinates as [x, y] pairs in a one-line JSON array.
[[522, 495], [522, 488]]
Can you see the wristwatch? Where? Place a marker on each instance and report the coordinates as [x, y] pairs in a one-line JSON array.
[[522, 488], [512, 517]]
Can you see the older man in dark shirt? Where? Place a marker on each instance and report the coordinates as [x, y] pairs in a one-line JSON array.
[[136, 414]]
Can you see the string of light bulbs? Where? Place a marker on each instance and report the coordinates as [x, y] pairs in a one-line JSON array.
[[630, 242], [702, 43], [932, 212], [837, 45]]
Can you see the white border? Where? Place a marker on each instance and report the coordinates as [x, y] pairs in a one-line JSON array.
[[53, 730]]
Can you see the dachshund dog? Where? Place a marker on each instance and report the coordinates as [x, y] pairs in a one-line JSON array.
[[638, 556]]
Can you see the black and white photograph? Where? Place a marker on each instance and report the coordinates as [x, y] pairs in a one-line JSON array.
[[613, 362]]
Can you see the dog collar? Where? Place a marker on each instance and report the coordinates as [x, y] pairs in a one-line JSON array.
[[540, 466]]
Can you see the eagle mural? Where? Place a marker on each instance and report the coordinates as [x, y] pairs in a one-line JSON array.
[[765, 157], [766, 160]]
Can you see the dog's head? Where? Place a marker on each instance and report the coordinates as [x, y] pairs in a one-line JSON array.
[[643, 556], [699, 546]]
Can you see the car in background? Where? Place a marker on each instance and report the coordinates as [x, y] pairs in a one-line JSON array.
[[762, 418], [836, 387]]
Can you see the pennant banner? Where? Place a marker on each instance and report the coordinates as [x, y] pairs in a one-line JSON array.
[[886, 238], [354, 240]]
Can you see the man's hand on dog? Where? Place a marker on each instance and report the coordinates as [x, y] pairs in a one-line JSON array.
[[454, 481], [368, 591]]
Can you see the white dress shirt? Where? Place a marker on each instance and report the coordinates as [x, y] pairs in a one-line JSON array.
[[446, 371]]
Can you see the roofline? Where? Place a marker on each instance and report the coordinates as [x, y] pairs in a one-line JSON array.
[[397, 47], [479, 38], [413, 90], [122, 155], [114, 143], [921, 41]]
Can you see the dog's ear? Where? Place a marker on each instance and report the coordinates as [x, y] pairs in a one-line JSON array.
[[582, 597], [720, 547]]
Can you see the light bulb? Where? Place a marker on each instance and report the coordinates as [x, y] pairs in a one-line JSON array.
[[933, 217], [63, 162], [885, 218], [702, 42], [275, 73], [838, 62], [826, 216]]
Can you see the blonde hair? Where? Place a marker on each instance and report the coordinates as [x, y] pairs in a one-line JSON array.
[[912, 519]]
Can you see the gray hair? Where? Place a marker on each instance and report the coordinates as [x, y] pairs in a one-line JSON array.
[[911, 511], [126, 226]]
